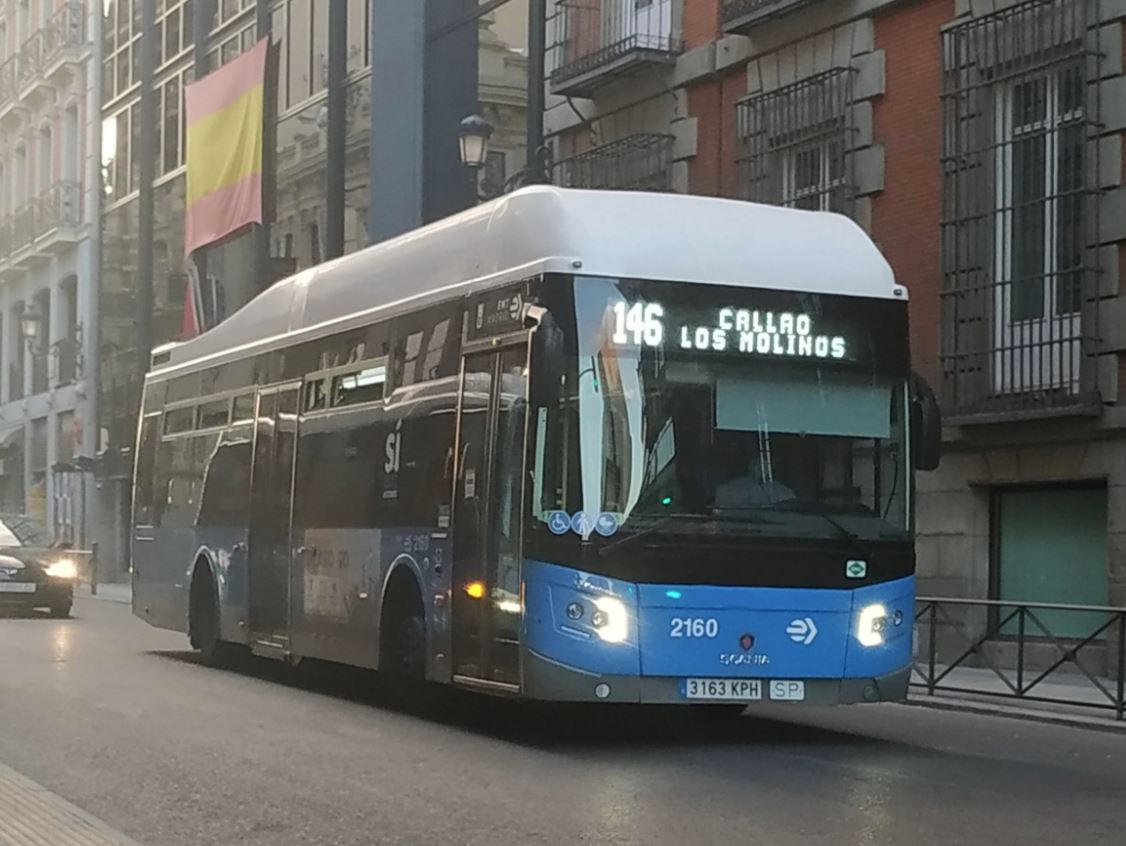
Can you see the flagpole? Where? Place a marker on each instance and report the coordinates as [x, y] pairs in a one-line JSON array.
[[263, 264], [334, 159], [147, 137], [202, 14]]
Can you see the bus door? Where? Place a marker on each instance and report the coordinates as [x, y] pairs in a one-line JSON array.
[[488, 496], [271, 504]]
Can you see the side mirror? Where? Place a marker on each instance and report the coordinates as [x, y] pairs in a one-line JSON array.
[[926, 425]]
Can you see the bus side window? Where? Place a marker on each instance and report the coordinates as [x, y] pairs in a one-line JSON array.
[[243, 409], [179, 420], [316, 397], [146, 467], [426, 348], [363, 386]]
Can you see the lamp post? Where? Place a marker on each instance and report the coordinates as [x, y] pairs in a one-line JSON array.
[[473, 136]]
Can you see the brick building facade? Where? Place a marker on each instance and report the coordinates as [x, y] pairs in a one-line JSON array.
[[980, 144]]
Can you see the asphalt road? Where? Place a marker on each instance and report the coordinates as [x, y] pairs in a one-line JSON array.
[[121, 720]]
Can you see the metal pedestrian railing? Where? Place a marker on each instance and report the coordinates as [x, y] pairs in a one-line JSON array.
[[1060, 654]]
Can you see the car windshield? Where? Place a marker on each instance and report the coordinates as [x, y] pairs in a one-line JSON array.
[[21, 530], [675, 438]]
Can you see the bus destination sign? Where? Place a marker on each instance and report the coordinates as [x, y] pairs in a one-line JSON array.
[[758, 332]]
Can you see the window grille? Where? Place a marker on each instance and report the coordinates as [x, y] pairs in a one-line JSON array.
[[797, 144], [1019, 225]]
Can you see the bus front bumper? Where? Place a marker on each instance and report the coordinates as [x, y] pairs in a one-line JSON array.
[[550, 680]]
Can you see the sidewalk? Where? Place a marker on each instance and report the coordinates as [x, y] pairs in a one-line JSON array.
[[31, 815], [108, 591], [981, 691]]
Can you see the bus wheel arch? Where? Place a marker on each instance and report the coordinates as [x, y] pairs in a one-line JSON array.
[[204, 631], [402, 626]]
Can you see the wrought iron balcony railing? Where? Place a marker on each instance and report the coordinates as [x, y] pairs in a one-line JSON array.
[[741, 15], [640, 162], [65, 30], [59, 207], [603, 39]]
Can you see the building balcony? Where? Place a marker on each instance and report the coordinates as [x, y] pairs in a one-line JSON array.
[[9, 88], [58, 47], [58, 218], [10, 265], [64, 42], [603, 40], [741, 15], [640, 162]]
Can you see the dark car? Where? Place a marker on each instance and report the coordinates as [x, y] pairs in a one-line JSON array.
[[33, 574]]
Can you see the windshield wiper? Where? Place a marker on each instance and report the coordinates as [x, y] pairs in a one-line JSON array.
[[798, 506]]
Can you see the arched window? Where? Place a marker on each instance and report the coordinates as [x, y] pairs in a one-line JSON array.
[[44, 161], [72, 156]]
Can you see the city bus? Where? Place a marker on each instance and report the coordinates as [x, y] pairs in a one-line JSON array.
[[575, 446]]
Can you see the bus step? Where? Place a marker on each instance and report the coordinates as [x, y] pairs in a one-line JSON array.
[[278, 649]]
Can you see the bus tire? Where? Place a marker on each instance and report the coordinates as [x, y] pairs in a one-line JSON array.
[[203, 620], [402, 641]]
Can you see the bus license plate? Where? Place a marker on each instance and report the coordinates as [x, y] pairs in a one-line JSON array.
[[17, 587], [739, 690]]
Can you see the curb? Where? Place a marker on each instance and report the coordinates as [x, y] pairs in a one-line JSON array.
[[36, 815], [84, 593], [989, 709]]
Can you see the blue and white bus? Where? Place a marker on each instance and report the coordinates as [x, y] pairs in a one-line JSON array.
[[568, 445]]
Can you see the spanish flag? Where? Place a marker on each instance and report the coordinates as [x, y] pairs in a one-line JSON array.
[[224, 113]]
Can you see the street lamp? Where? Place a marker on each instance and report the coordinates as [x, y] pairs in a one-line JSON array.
[[31, 325], [473, 140]]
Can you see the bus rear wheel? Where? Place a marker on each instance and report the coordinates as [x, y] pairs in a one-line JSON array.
[[402, 657], [203, 622]]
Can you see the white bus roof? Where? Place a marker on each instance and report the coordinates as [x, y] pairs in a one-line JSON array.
[[543, 229]]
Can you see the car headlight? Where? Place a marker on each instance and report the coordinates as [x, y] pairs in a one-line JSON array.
[[64, 568], [872, 625], [610, 620]]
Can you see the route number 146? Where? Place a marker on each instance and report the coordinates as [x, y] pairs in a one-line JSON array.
[[639, 324]]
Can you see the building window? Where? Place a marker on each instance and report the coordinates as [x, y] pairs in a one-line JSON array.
[[314, 244], [814, 176], [1019, 263], [796, 144], [1040, 162]]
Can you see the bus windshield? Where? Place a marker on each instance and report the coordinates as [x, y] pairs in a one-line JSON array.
[[682, 412]]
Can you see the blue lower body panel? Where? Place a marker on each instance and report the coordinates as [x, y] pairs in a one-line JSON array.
[[593, 638]]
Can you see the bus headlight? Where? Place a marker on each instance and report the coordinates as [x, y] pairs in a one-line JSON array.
[[872, 625], [64, 568], [611, 620]]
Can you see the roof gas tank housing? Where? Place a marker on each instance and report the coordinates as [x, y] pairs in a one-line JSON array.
[[544, 229]]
